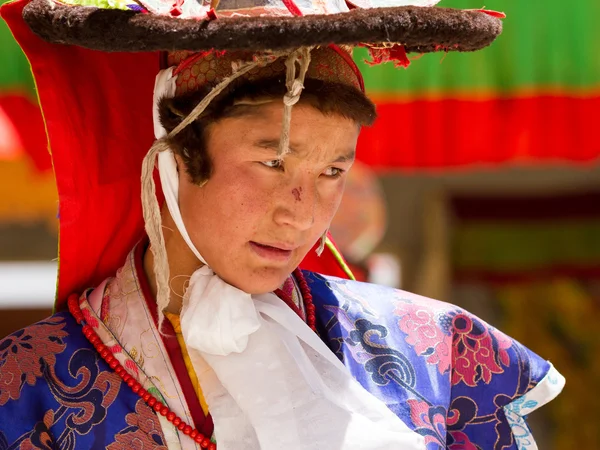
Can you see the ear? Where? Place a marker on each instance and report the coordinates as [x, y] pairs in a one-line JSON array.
[[180, 164]]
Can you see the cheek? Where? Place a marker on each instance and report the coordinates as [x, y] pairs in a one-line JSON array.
[[244, 192], [232, 200], [331, 197]]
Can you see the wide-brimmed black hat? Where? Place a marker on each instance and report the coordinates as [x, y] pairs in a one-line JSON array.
[[149, 25]]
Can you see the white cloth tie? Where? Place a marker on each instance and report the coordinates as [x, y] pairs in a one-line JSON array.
[[269, 381]]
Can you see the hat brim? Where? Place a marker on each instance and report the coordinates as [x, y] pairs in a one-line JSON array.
[[419, 29]]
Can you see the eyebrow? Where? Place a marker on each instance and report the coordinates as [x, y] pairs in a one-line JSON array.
[[273, 144]]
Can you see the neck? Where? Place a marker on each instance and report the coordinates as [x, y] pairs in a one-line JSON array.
[[182, 264]]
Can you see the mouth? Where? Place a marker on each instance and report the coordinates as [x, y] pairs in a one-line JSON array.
[[279, 252]]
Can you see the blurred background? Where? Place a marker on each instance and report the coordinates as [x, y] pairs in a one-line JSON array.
[[478, 185]]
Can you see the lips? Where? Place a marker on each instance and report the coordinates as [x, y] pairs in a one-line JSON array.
[[279, 252]]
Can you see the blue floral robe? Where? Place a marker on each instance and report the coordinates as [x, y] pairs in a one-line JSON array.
[[451, 377]]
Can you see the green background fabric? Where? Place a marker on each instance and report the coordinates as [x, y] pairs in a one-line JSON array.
[[545, 46], [15, 74]]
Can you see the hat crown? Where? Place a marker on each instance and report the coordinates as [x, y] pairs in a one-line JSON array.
[[264, 8], [204, 70]]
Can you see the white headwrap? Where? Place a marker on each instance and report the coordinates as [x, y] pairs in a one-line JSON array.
[[269, 381]]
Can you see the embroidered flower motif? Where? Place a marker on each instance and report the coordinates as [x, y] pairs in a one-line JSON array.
[[478, 352], [460, 441], [520, 430], [23, 353], [429, 421], [41, 438], [521, 403], [423, 333], [132, 367], [462, 414], [143, 433]]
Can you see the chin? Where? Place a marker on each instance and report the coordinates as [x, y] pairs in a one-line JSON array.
[[260, 281]]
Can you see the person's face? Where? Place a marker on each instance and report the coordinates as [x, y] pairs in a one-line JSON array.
[[256, 218]]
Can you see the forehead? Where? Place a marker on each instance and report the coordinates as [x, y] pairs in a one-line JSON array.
[[260, 126], [266, 116], [268, 112]]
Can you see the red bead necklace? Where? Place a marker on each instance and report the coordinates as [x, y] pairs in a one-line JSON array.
[[152, 401], [306, 296]]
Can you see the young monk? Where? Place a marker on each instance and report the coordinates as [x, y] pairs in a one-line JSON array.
[[209, 334]]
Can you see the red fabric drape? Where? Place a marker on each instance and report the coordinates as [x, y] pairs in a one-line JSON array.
[[95, 107], [446, 134]]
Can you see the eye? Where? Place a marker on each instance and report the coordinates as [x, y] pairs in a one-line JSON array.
[[273, 164], [333, 172]]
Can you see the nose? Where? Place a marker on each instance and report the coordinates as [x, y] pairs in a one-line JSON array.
[[297, 206]]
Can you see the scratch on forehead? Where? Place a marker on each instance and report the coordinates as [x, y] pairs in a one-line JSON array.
[[297, 192]]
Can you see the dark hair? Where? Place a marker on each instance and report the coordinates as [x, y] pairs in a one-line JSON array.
[[190, 144]]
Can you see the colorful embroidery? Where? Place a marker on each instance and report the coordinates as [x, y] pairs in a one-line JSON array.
[[443, 371], [425, 335], [460, 441], [143, 431], [25, 353], [546, 390], [66, 392], [429, 422], [41, 437], [478, 352]]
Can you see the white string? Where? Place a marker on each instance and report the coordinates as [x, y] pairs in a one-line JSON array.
[[294, 84]]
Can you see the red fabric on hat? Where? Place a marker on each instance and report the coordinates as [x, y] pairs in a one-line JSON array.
[[98, 112]]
